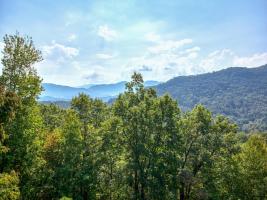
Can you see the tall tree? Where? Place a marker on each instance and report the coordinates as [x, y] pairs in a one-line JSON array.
[[71, 147], [150, 139], [91, 113], [25, 131], [112, 182]]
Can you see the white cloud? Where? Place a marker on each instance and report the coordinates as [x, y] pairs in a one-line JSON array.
[[192, 50], [255, 60], [59, 51], [164, 65], [217, 60], [107, 33], [59, 64], [221, 59], [72, 37], [104, 56], [168, 45], [66, 72], [152, 37], [164, 59]]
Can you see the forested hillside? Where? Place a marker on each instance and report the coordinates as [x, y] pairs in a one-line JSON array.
[[239, 93], [142, 147]]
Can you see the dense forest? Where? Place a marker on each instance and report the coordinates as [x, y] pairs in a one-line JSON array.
[[239, 93], [140, 147]]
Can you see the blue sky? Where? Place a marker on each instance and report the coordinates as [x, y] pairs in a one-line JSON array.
[[105, 41]]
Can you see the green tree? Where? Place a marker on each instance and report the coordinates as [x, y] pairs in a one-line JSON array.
[[150, 138], [19, 75], [245, 175], [204, 140], [25, 130], [69, 171], [128, 108], [112, 160], [91, 113]]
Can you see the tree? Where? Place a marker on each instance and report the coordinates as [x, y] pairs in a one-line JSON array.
[[128, 108], [245, 175], [112, 160], [204, 140], [150, 138], [25, 130], [69, 171], [91, 113], [19, 76]]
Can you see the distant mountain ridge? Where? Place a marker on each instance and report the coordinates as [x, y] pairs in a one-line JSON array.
[[53, 92], [239, 93]]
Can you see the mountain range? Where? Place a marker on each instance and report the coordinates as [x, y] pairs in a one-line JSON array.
[[239, 93], [54, 92]]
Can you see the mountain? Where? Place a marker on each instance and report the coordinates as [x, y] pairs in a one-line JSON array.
[[53, 92], [86, 86], [103, 90], [239, 93], [62, 92]]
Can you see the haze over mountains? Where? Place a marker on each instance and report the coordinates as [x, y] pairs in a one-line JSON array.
[[53, 92]]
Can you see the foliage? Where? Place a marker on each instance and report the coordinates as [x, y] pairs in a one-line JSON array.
[[141, 147], [245, 175], [9, 102], [9, 188], [25, 130], [52, 116], [19, 76]]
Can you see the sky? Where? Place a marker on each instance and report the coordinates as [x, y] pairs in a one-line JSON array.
[[97, 41]]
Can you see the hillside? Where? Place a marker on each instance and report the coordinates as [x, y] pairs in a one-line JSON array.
[[239, 93]]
